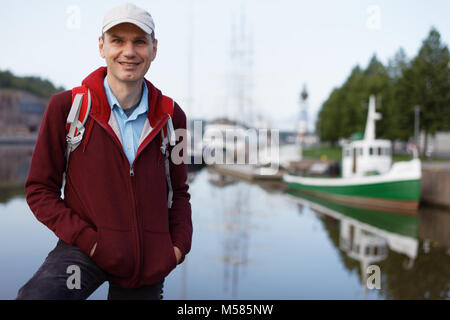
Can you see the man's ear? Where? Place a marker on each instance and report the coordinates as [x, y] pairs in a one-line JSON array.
[[100, 47]]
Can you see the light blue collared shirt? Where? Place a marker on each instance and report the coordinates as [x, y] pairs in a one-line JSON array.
[[130, 127]]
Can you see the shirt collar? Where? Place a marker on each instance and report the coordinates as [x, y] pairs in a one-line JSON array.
[[113, 102]]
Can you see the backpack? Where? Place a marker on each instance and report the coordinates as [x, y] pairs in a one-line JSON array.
[[79, 111]]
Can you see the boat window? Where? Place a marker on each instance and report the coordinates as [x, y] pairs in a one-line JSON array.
[[361, 151], [379, 151], [371, 151], [387, 151], [347, 152]]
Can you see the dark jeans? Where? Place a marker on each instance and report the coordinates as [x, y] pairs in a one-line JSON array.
[[50, 282]]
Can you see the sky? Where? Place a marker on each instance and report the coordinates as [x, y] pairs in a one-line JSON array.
[[288, 44]]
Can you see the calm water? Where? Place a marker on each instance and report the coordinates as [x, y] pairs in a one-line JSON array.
[[256, 242]]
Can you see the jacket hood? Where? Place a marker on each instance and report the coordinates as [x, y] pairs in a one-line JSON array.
[[100, 105]]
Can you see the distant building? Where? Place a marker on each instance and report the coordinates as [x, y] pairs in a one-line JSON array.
[[438, 144], [20, 113]]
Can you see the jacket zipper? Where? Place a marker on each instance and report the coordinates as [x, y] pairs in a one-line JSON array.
[[135, 222], [149, 139], [138, 231], [152, 134]]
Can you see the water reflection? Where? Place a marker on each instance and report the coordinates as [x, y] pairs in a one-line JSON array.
[[391, 241], [257, 241], [14, 166], [234, 219], [219, 180]]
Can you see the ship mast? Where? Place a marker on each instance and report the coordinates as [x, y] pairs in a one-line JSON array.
[[372, 116], [241, 58]]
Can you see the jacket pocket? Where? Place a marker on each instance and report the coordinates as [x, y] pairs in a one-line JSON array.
[[114, 252], [159, 256]]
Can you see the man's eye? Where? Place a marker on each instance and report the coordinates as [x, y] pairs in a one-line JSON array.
[[117, 41], [140, 42]]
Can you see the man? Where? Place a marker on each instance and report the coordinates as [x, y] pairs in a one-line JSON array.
[[114, 223]]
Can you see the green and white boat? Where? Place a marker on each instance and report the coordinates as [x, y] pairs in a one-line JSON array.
[[369, 179]]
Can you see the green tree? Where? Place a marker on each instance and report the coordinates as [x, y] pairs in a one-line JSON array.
[[402, 121], [427, 82], [36, 85], [345, 111], [329, 126], [399, 87]]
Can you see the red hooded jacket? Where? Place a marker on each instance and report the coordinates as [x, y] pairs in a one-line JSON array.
[[121, 207]]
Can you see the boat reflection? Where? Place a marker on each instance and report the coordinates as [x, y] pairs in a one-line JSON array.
[[391, 241]]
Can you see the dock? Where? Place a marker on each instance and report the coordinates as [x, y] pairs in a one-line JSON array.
[[435, 185], [248, 172]]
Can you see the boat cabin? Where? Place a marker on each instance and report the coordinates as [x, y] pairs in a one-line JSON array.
[[363, 158], [367, 156]]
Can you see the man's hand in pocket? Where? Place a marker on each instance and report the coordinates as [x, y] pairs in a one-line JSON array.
[[178, 254]]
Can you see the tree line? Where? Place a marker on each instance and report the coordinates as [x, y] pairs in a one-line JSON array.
[[40, 87], [399, 87]]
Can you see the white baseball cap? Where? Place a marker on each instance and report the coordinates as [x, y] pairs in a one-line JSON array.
[[128, 13]]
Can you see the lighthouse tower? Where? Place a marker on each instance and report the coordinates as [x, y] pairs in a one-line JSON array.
[[302, 127]]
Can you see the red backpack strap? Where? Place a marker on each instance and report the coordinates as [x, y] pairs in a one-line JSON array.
[[167, 105], [167, 108], [78, 114], [84, 108], [167, 137]]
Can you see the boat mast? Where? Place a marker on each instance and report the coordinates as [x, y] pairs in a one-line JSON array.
[[372, 116]]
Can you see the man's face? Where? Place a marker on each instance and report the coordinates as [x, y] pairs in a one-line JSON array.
[[128, 52]]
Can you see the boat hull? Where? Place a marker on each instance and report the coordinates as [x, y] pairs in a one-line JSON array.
[[397, 191], [398, 196]]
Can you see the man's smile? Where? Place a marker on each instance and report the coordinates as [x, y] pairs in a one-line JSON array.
[[129, 63]]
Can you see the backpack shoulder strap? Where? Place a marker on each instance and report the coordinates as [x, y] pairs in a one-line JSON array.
[[167, 105], [168, 131], [78, 114], [168, 136]]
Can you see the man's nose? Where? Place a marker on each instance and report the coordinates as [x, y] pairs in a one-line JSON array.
[[129, 50]]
